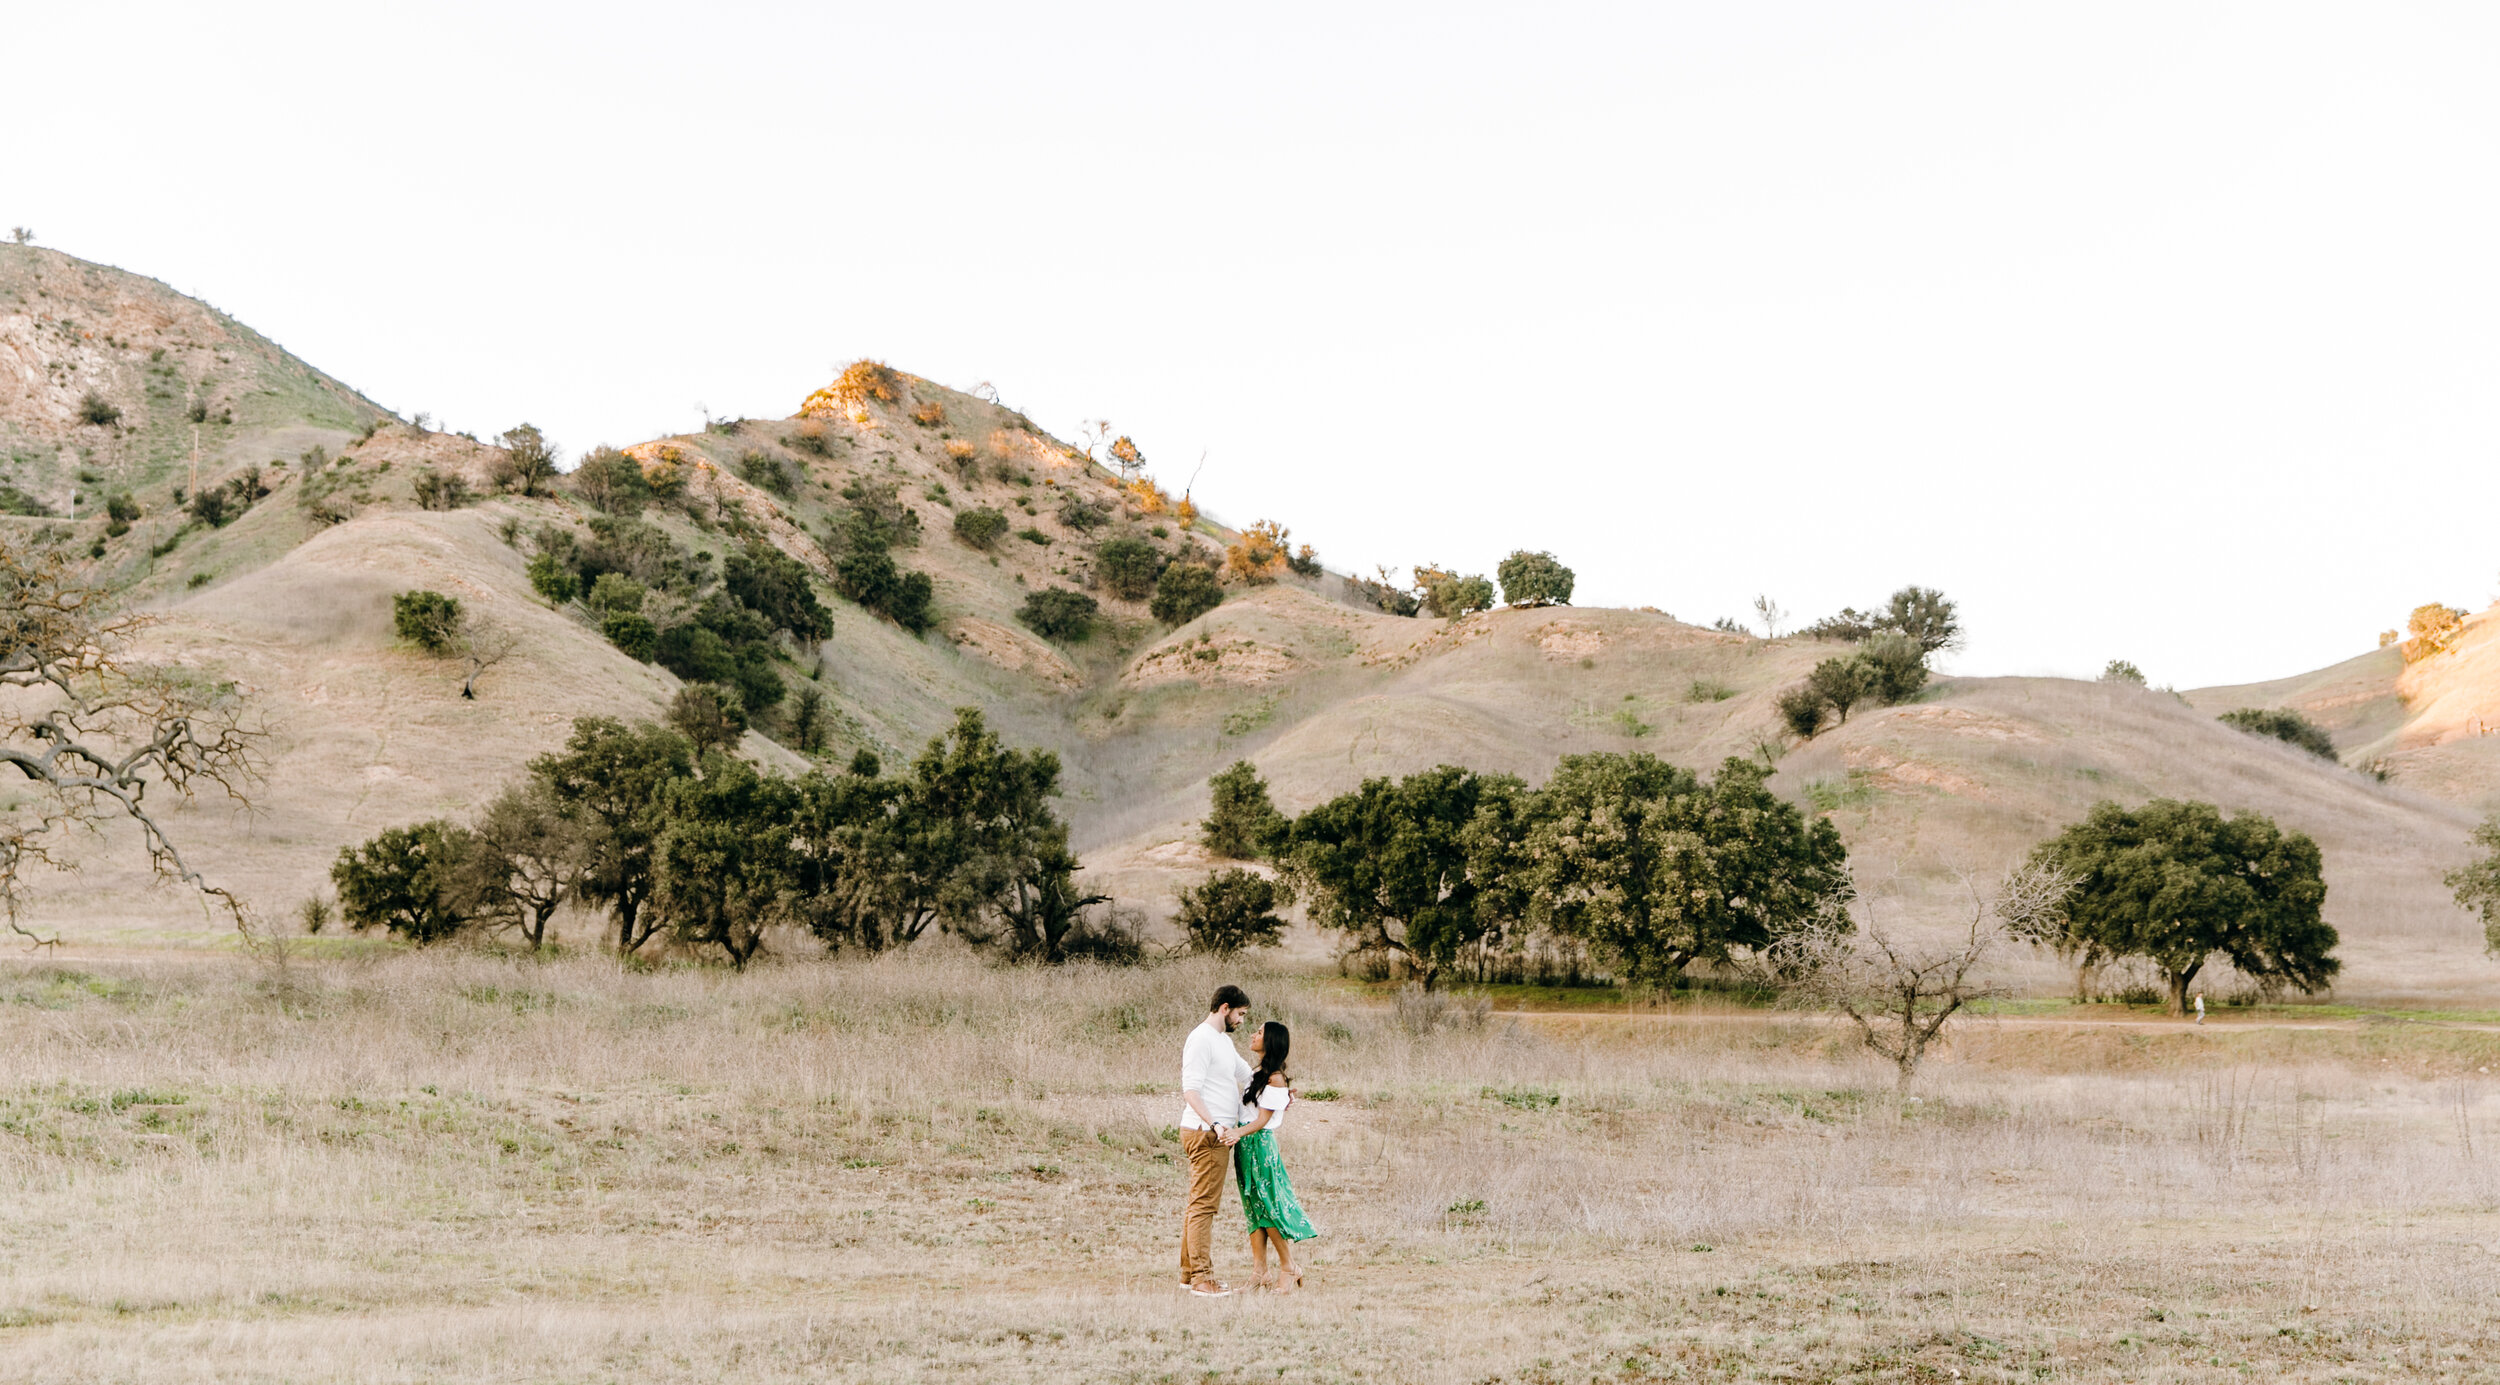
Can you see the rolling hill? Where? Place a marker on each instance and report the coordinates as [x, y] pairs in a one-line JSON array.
[[292, 600]]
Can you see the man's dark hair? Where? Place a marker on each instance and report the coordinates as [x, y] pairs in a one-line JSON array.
[[1228, 995]]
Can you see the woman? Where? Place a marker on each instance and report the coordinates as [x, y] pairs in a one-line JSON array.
[[1267, 1200]]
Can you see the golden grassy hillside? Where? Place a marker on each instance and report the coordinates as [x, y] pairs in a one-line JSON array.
[[2433, 725]]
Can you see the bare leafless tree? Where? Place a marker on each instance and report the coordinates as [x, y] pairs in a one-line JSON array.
[[484, 649], [1770, 614], [91, 731], [1899, 993]]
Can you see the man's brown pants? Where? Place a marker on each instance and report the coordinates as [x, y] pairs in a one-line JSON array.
[[1209, 1160]]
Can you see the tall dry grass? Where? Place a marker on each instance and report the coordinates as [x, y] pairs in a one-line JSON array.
[[348, 1160]]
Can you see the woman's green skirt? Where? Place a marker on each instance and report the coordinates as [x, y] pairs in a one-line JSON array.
[[1267, 1198]]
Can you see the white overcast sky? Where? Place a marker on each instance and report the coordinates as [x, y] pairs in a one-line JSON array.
[[2162, 331]]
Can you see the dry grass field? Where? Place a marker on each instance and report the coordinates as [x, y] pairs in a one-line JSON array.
[[459, 1166]]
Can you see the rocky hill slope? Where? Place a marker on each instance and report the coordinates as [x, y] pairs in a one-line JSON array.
[[292, 596]]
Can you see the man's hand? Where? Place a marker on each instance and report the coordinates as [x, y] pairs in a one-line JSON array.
[[1228, 1135]]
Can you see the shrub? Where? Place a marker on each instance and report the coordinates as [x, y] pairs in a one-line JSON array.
[[1449, 596], [1231, 911], [859, 383], [1083, 515], [529, 461], [213, 507], [709, 715], [764, 471], [2433, 628], [2121, 671], [1241, 822], [1056, 613], [929, 413], [695, 653], [775, 586], [810, 437], [1708, 690], [1842, 684], [614, 591], [877, 518], [1922, 613], [872, 579], [611, 482], [632, 632], [1128, 567], [1534, 579], [1382, 595], [429, 620], [1033, 535], [1305, 562], [121, 508], [1259, 554], [439, 490], [981, 528], [807, 721], [552, 579], [98, 411], [1895, 667], [963, 457], [1185, 592], [1126, 457], [1801, 711], [2284, 725]]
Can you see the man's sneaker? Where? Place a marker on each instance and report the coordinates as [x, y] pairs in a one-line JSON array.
[[1209, 1288]]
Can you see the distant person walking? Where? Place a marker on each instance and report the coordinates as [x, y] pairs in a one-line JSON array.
[[1267, 1198], [2200, 1007], [1213, 1077]]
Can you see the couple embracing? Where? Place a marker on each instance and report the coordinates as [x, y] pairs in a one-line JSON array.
[[1234, 1112]]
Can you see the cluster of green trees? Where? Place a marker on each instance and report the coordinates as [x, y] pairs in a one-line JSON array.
[[669, 837], [1527, 579], [661, 604], [1650, 865], [864, 538], [1889, 665], [1656, 870], [1888, 668], [1921, 613]]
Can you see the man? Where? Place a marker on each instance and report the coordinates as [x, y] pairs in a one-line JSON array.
[[1213, 1073]]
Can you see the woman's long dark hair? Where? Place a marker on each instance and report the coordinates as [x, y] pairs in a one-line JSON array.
[[1275, 1046]]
